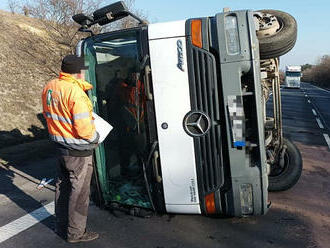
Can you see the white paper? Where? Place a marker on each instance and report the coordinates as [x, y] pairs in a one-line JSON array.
[[102, 127]]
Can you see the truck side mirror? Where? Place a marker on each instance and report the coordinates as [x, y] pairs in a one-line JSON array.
[[82, 19], [110, 13], [105, 15]]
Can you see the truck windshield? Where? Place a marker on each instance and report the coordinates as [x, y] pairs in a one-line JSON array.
[[114, 72], [293, 74]]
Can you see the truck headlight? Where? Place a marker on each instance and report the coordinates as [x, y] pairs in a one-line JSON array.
[[232, 38], [246, 196]]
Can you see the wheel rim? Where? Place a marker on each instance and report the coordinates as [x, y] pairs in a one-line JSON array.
[[269, 24]]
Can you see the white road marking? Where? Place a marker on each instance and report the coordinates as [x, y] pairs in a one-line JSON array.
[[320, 88], [314, 112], [327, 139], [319, 123], [21, 224], [309, 101], [43, 183]]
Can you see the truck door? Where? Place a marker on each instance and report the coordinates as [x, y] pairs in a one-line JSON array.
[[115, 63]]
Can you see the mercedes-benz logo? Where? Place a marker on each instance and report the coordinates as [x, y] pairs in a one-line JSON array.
[[196, 123]]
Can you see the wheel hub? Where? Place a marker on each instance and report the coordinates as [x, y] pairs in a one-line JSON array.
[[268, 24]]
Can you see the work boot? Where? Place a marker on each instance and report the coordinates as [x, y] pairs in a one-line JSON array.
[[87, 236]]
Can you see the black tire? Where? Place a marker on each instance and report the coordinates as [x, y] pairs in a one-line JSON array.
[[283, 40], [281, 179]]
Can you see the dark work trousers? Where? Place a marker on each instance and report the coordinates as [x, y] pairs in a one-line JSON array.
[[72, 195]]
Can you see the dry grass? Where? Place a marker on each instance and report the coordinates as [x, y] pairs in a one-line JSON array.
[[21, 77], [31, 53]]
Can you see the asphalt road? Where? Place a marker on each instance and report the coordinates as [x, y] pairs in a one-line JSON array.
[[306, 114], [296, 219]]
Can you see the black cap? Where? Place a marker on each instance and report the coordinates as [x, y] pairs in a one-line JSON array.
[[73, 64]]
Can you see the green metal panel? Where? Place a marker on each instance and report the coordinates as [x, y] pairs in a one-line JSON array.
[[99, 151]]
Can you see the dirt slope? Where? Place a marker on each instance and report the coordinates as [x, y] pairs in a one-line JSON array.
[[21, 78]]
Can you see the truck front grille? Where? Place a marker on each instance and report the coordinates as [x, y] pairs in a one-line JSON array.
[[204, 97]]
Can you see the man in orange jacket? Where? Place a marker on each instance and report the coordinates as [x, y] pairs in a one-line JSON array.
[[68, 112]]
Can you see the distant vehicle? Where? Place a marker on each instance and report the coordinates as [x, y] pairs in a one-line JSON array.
[[187, 101], [292, 76]]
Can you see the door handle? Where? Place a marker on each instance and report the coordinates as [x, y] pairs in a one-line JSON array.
[[147, 71], [156, 166]]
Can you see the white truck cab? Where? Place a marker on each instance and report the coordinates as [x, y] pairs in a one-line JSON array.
[[185, 100], [292, 76]]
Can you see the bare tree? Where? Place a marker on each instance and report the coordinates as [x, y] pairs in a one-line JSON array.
[[61, 35], [26, 11], [56, 16], [61, 32], [13, 5], [16, 6], [128, 22], [319, 73]]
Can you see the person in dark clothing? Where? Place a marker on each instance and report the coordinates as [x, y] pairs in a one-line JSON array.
[[126, 108]]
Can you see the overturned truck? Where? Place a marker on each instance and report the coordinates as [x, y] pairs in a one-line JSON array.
[[187, 102]]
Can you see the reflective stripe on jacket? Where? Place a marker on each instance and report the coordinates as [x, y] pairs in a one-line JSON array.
[[68, 112]]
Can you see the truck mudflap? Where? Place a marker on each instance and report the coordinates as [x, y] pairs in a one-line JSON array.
[[240, 87]]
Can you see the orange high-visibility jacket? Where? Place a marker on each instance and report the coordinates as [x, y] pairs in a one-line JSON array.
[[68, 112], [134, 98]]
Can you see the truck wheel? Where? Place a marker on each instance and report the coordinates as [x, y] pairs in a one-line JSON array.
[[286, 173], [276, 38]]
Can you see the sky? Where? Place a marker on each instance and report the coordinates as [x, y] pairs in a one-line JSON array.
[[312, 17]]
